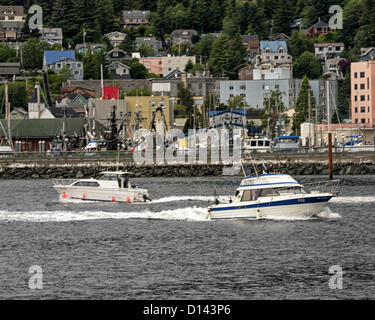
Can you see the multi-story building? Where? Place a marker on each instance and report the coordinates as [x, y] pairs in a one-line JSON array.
[[135, 18], [255, 92], [320, 27], [51, 35], [363, 93], [12, 21], [324, 51]]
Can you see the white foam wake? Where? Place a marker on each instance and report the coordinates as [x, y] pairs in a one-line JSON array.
[[182, 214], [222, 199], [353, 199]]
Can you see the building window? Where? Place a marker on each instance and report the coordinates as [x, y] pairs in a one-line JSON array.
[[363, 109], [355, 75], [355, 110], [363, 120], [368, 109], [362, 75], [231, 88], [356, 121], [231, 96], [362, 86], [277, 86], [356, 98], [356, 87], [363, 98], [242, 87]]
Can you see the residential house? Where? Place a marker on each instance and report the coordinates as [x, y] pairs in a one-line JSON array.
[[18, 113], [363, 93], [116, 54], [331, 68], [275, 52], [163, 66], [115, 38], [58, 60], [135, 18], [297, 25], [150, 42], [51, 35], [279, 37], [320, 27], [92, 48], [9, 70], [183, 36], [118, 70], [75, 101], [179, 62], [12, 21], [252, 43], [324, 51], [153, 65], [367, 54]]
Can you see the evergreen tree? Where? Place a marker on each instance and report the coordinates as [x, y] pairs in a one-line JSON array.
[[302, 109], [307, 64]]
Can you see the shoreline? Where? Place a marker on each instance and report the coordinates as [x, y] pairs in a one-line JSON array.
[[78, 169]]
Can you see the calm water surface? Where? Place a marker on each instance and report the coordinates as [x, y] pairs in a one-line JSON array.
[[169, 250]]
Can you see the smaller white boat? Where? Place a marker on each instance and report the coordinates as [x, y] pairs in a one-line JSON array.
[[274, 196], [110, 187]]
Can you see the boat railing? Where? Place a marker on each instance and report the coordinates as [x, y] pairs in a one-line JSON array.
[[63, 182], [323, 186]]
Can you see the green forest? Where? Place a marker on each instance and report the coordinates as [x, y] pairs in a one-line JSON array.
[[99, 17]]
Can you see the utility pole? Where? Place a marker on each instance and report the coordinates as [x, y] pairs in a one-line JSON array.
[[37, 86], [6, 101]]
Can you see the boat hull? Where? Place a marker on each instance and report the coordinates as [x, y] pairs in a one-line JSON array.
[[102, 195], [288, 208]]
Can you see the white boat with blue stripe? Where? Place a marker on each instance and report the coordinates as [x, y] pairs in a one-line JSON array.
[[275, 196]]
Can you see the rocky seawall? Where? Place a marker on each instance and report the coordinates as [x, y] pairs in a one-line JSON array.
[[87, 170]]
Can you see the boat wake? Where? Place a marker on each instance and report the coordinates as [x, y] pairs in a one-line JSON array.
[[182, 214], [224, 199]]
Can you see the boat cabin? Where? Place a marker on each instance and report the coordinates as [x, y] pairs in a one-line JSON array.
[[269, 185], [259, 145], [287, 143], [115, 179]]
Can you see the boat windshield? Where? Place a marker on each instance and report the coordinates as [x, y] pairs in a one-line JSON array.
[[253, 195], [108, 177]]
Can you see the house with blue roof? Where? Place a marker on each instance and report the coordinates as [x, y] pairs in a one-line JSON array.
[[57, 60], [273, 54]]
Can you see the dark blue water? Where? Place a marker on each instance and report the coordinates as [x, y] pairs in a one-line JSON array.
[[169, 250]]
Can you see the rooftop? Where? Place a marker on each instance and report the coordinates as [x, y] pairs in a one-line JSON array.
[[53, 56]]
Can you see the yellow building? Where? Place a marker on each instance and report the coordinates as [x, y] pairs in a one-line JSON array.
[[141, 110]]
